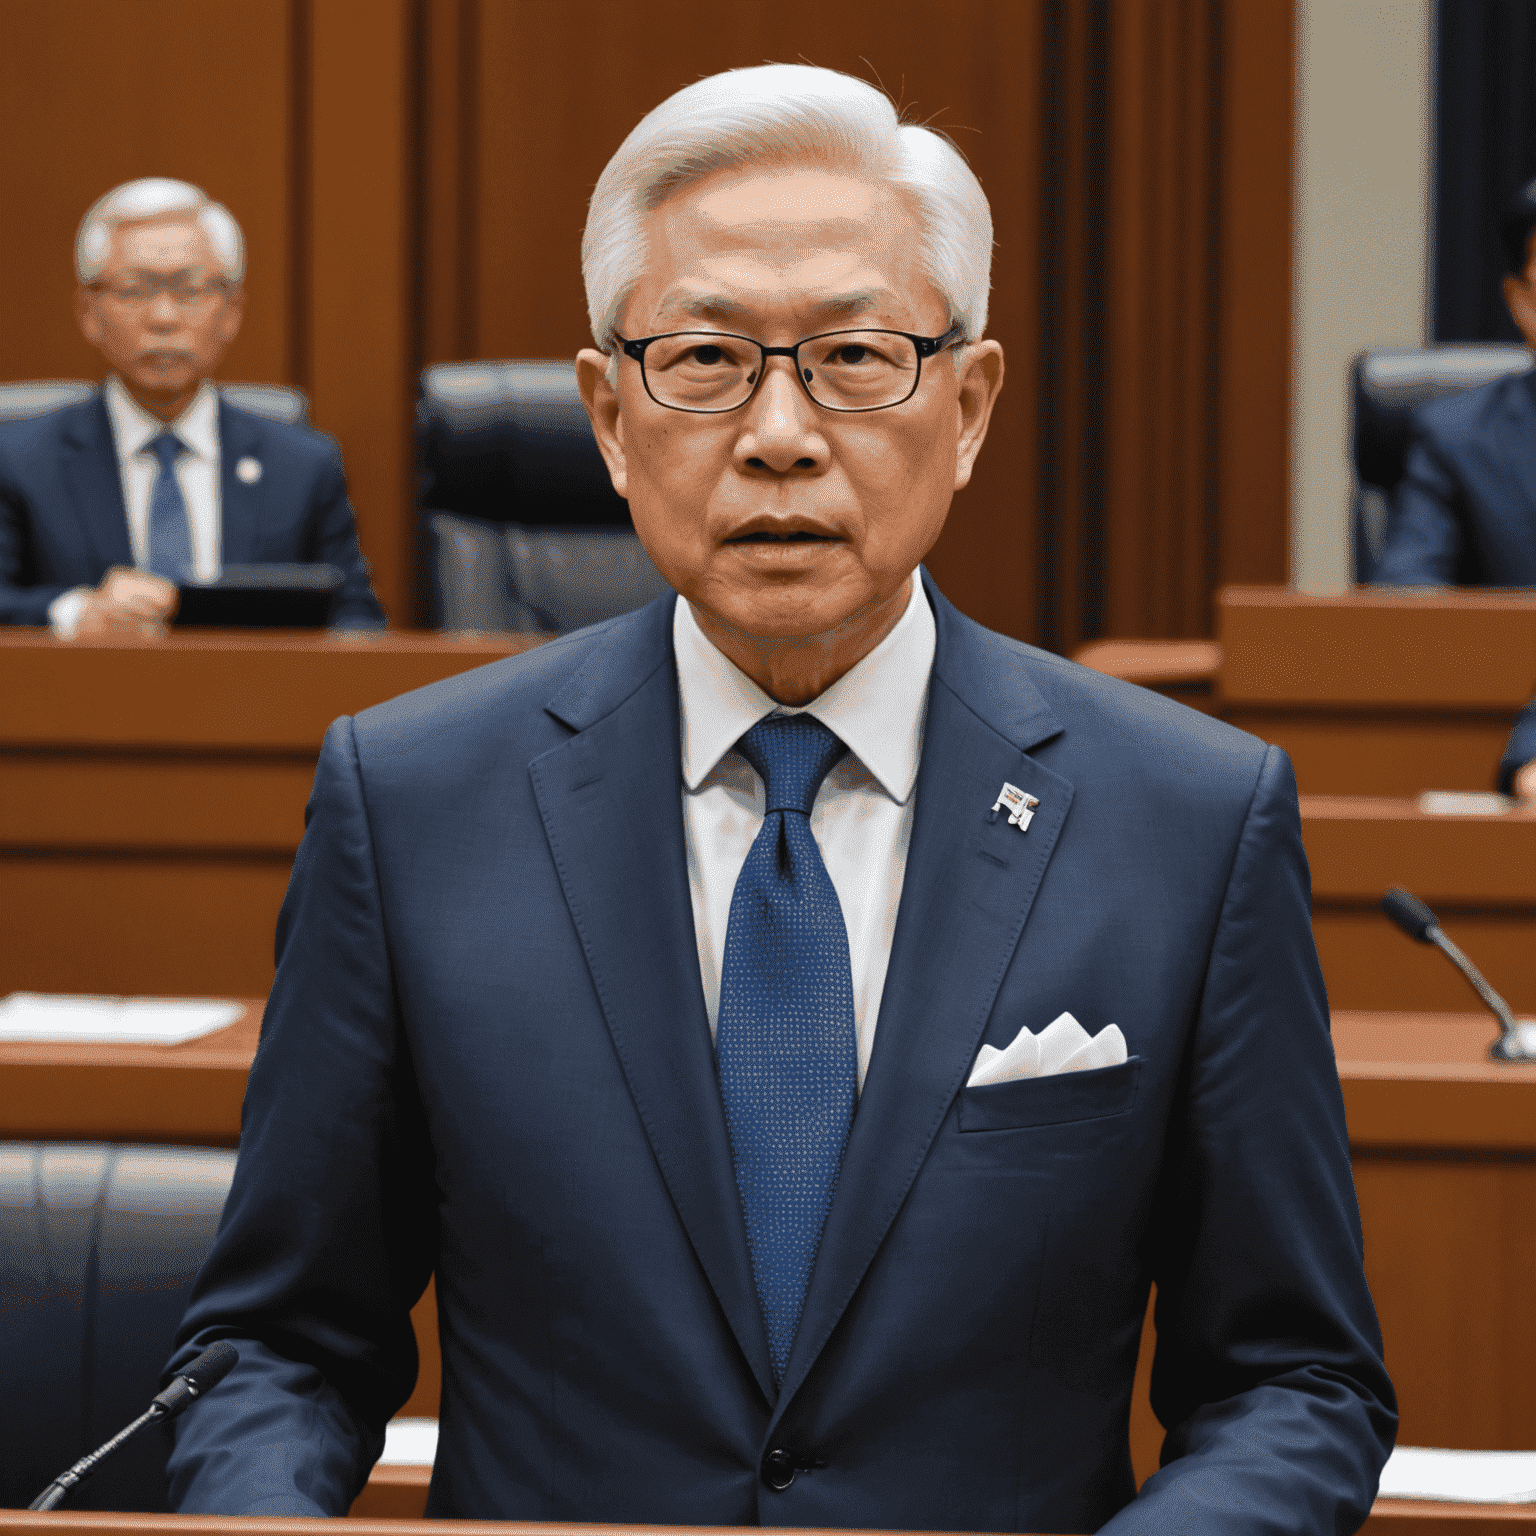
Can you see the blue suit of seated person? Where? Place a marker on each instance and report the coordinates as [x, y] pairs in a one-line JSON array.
[[1464, 513], [635, 986], [281, 496], [104, 506]]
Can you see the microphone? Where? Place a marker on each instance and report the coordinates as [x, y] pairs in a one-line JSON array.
[[1418, 922], [203, 1375]]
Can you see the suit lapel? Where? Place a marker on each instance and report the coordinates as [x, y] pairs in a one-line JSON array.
[[611, 802], [968, 889], [91, 474], [1515, 458], [240, 505]]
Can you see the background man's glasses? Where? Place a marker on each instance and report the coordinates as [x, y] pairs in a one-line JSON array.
[[712, 371], [185, 293]]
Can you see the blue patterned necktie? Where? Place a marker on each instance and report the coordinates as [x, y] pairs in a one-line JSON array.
[[170, 534], [785, 1038]]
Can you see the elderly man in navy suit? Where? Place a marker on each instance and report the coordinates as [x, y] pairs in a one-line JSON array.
[[795, 1025], [105, 506], [1464, 513]]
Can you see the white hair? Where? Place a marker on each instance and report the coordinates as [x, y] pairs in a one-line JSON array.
[[786, 113], [156, 197]]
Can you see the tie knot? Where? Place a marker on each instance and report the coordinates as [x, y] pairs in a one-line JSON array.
[[167, 448], [792, 755]]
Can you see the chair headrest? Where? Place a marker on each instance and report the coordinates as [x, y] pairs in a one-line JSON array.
[[509, 442], [1388, 386], [281, 402]]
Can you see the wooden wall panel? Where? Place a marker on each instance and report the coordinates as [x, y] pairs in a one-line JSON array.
[[96, 92]]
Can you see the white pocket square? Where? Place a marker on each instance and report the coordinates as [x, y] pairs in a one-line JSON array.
[[1062, 1046]]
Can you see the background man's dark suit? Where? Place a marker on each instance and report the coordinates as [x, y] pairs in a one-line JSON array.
[[487, 1053], [1465, 511], [1520, 749], [63, 524]]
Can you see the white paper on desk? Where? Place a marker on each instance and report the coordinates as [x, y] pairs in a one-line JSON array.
[[1460, 802], [1062, 1046], [57, 1016], [1467, 1477], [409, 1443]]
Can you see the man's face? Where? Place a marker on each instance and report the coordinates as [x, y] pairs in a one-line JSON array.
[[783, 518], [160, 313]]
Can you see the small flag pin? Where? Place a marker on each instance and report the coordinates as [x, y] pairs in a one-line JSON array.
[[1020, 807]]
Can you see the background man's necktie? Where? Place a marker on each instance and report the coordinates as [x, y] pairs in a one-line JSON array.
[[170, 534], [785, 1037]]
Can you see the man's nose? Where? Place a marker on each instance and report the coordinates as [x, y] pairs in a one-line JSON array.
[[782, 430], [163, 313]]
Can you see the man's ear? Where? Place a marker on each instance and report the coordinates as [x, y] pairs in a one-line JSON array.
[[234, 313], [602, 403], [1520, 297], [85, 314], [979, 374]]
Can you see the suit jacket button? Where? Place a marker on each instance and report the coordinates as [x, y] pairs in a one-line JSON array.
[[778, 1469]]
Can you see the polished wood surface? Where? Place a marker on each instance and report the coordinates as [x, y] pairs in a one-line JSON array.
[[152, 794], [1378, 693], [1478, 873]]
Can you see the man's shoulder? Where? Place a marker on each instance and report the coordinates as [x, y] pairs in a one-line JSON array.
[[500, 707], [28, 443], [295, 442], [1466, 417]]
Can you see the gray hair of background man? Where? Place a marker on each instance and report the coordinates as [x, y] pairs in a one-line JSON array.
[[786, 113], [157, 197]]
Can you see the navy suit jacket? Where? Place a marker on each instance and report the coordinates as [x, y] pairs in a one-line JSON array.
[[1521, 748], [1464, 513], [486, 1054], [63, 523]]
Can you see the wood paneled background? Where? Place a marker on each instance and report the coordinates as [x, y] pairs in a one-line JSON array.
[[412, 178]]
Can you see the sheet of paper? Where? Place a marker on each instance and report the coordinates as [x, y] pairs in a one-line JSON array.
[[1468, 1477], [57, 1016], [409, 1443], [1461, 802]]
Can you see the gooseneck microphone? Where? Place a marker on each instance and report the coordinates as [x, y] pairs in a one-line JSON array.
[[1418, 922], [204, 1373]]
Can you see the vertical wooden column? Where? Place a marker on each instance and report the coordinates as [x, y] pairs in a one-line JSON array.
[[361, 300]]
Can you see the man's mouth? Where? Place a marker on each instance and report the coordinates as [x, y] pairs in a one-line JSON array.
[[797, 536]]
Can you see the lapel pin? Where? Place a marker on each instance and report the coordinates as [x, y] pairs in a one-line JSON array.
[[1020, 807], [248, 470]]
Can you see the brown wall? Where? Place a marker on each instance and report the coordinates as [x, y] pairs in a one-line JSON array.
[[412, 176]]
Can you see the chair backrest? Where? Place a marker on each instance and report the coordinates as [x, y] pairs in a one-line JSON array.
[[99, 1246], [39, 396], [280, 402], [1386, 386], [523, 526]]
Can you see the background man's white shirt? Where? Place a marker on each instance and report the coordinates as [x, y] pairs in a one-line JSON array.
[[197, 473], [862, 816]]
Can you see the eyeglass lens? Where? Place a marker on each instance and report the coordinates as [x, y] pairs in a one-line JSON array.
[[846, 371]]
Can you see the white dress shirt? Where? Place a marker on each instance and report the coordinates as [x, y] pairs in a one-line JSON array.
[[862, 815], [197, 473]]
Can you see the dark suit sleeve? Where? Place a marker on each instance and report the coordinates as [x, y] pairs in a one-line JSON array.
[[334, 541], [20, 602], [328, 1236], [1268, 1371], [1521, 748], [1425, 538]]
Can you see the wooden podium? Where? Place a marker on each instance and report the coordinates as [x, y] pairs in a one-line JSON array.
[[152, 794]]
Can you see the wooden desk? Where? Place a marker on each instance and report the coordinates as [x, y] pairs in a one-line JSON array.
[[1378, 692], [1477, 872], [152, 794]]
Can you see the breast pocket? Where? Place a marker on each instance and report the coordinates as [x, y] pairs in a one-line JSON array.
[[1057, 1100]]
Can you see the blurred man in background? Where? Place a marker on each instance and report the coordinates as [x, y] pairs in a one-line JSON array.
[[106, 505], [1465, 512]]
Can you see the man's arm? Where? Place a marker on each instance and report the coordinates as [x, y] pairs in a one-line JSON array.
[[329, 1233], [20, 601], [1515, 770], [334, 542], [1424, 527], [1268, 1370]]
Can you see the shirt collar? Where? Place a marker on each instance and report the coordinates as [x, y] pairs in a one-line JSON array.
[[134, 428], [877, 707]]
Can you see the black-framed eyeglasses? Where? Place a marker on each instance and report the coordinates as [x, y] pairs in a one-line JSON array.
[[186, 292], [708, 372]]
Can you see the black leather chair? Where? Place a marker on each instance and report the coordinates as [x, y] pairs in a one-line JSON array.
[[99, 1246], [281, 402], [1386, 387], [522, 526]]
